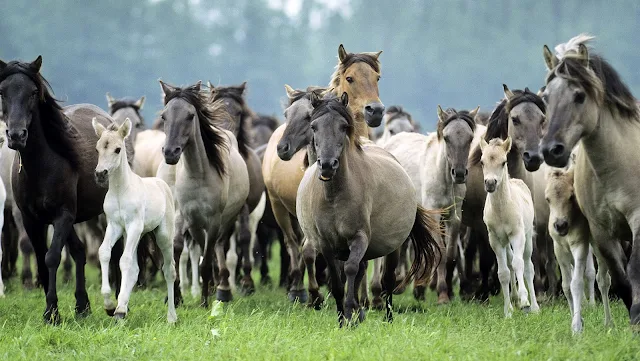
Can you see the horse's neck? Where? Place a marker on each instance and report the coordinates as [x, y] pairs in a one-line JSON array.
[[312, 157], [502, 195], [194, 155], [442, 166], [120, 178], [31, 157], [362, 129], [339, 183], [515, 165]]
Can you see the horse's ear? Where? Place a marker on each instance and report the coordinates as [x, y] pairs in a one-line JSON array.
[[197, 85], [110, 100], [506, 145], [97, 127], [2, 65], [344, 99], [583, 55], [342, 54], [290, 91], [474, 112], [243, 87], [211, 87], [36, 64], [125, 129], [483, 144], [166, 88], [315, 99], [508, 94], [375, 54], [549, 58], [140, 103], [541, 91], [442, 116]]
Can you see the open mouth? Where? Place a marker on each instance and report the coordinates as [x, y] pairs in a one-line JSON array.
[[324, 179]]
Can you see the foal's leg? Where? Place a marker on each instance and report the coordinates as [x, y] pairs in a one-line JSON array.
[[518, 245], [504, 274], [163, 234], [389, 282], [232, 258], [357, 248], [565, 260], [529, 272], [590, 277], [309, 254], [580, 252], [112, 235], [129, 266], [62, 226]]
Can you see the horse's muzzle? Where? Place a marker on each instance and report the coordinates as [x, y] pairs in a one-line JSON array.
[[17, 139], [556, 154], [102, 178], [532, 160], [373, 113], [490, 185], [172, 156]]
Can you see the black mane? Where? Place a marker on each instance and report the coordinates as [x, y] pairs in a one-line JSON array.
[[299, 94], [58, 131], [208, 115], [243, 134], [333, 104]]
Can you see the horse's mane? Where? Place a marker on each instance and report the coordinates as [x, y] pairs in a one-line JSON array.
[[600, 81], [333, 105], [498, 123], [299, 94], [453, 115], [350, 59], [243, 134], [209, 115], [126, 103], [266, 120], [58, 131]]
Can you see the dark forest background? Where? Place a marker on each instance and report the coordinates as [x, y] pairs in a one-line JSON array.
[[454, 53]]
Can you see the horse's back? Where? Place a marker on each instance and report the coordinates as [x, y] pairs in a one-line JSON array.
[[148, 149]]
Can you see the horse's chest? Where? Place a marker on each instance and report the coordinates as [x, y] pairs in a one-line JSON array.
[[603, 205]]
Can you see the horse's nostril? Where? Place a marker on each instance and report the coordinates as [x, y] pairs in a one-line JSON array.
[[334, 164], [526, 156], [453, 172], [557, 149], [368, 109]]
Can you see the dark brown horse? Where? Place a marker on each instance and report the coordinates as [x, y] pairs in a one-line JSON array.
[[54, 170]]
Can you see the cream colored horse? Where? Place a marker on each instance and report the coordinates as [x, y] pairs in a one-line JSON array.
[[508, 214]]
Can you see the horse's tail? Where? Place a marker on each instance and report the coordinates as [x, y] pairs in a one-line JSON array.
[[244, 135], [427, 252]]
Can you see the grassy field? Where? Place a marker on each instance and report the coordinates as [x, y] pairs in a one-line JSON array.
[[267, 326]]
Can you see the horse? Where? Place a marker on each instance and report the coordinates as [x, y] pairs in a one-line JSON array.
[[396, 120], [233, 100], [570, 232], [134, 206], [520, 115], [52, 178], [3, 198], [590, 105], [508, 214], [340, 216], [437, 166], [357, 74], [212, 182], [121, 109], [262, 127]]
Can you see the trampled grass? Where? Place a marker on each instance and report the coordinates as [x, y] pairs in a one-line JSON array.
[[266, 326]]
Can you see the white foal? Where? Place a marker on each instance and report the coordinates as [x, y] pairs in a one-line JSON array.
[[133, 206], [570, 232], [3, 198], [508, 214]]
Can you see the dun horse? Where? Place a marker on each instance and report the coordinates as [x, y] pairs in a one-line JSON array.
[[342, 218]]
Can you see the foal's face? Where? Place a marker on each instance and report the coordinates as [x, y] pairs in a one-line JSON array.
[[298, 132], [180, 119], [526, 127], [560, 195], [494, 162], [111, 149], [329, 137], [20, 98], [458, 136], [572, 115]]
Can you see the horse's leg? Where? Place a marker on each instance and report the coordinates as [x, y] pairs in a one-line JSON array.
[[179, 245], [111, 236], [285, 261], [297, 291], [580, 253], [78, 251], [529, 272], [518, 244], [263, 242], [389, 282], [37, 237], [184, 260], [486, 264], [376, 284], [195, 252], [337, 285], [66, 265], [590, 277], [613, 254], [357, 248], [309, 254], [129, 266], [232, 258], [223, 289], [245, 234], [445, 288], [364, 288], [551, 264], [604, 283], [164, 234], [565, 260], [26, 248], [403, 267]]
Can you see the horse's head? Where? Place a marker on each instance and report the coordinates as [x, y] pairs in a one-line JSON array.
[[232, 97], [456, 129], [22, 89], [560, 195], [332, 125], [298, 132], [526, 118], [573, 95], [180, 118], [357, 74], [111, 148], [396, 120], [121, 109], [494, 161]]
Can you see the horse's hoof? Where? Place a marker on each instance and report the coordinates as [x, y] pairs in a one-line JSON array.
[[419, 293], [361, 315], [247, 288], [51, 316], [526, 309], [110, 311], [119, 316], [443, 299], [316, 300], [83, 311], [300, 296], [378, 303], [365, 303], [27, 284], [266, 281], [224, 295], [399, 290]]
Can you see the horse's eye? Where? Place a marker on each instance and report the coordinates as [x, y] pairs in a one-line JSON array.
[[516, 120], [504, 163], [482, 163], [579, 97], [378, 78], [547, 199], [117, 150], [350, 79], [392, 132]]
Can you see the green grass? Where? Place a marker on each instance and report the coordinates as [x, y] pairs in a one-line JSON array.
[[267, 326]]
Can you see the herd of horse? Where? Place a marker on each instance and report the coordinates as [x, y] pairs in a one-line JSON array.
[[488, 200]]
